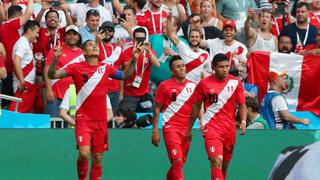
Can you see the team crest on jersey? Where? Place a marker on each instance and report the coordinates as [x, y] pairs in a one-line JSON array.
[[212, 149], [80, 138], [201, 58], [289, 84], [174, 152]]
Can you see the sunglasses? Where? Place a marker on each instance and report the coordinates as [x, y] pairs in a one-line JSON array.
[[109, 29]]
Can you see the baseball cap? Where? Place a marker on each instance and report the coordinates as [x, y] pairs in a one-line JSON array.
[[273, 75], [107, 24], [229, 23], [72, 27]]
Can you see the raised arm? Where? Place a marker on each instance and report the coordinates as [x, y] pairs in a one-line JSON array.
[[155, 121], [26, 16], [53, 73], [129, 70], [171, 33], [153, 58], [45, 6], [249, 31]]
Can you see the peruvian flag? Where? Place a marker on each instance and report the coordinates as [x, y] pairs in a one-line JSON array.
[[303, 86]]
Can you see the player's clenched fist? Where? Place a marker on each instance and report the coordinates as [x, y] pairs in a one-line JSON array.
[[188, 136], [155, 138]]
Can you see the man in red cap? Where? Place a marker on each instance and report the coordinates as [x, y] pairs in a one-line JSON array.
[[274, 107], [228, 44]]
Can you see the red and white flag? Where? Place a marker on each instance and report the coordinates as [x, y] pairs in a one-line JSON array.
[[303, 85]]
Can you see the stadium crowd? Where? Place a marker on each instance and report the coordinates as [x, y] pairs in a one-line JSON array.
[[197, 31]]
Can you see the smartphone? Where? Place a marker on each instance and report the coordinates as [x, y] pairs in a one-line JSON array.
[[281, 8], [122, 16], [140, 39], [55, 3]]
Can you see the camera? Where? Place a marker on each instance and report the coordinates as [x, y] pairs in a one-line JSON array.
[[140, 39]]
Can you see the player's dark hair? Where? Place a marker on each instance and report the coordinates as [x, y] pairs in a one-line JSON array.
[[174, 58], [140, 3], [83, 47], [141, 30], [219, 58], [129, 7], [252, 102], [51, 11], [13, 10], [30, 24]]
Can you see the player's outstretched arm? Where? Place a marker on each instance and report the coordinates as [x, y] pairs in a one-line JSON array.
[[155, 121], [53, 73], [194, 114], [289, 117], [243, 117]]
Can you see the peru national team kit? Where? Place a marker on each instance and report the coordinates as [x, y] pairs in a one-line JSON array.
[[91, 117], [219, 99]]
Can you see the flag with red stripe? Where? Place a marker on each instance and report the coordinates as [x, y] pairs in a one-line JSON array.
[[303, 88]]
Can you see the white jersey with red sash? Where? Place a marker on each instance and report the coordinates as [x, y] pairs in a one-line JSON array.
[[91, 87], [196, 62], [23, 49], [176, 102], [220, 98]]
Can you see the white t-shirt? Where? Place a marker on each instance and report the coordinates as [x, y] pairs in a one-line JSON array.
[[121, 33], [174, 11], [278, 103], [79, 11], [23, 49], [197, 63], [65, 104], [218, 46]]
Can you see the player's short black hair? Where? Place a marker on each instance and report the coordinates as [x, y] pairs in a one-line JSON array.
[[13, 10], [30, 24], [218, 58], [51, 11], [252, 102], [174, 58], [85, 44], [141, 30]]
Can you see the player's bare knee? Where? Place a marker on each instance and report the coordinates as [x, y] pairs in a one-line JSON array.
[[96, 158], [216, 161], [84, 153]]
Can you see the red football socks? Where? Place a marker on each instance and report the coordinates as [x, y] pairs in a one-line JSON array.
[[82, 167], [96, 172], [175, 172], [216, 174]]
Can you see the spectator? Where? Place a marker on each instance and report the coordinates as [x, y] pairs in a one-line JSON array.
[[195, 22], [260, 39], [285, 44], [123, 33], [3, 71], [264, 4], [25, 74], [110, 53], [65, 108], [196, 60], [241, 72], [274, 107], [176, 9], [228, 44], [153, 18], [137, 86], [90, 31], [79, 10], [206, 10], [280, 16], [236, 10], [9, 34], [49, 36], [138, 5], [314, 14], [62, 16], [256, 121], [164, 49], [72, 54], [313, 48], [302, 33]]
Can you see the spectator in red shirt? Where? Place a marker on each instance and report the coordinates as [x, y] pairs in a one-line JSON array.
[[137, 86], [313, 48], [9, 34], [3, 71]]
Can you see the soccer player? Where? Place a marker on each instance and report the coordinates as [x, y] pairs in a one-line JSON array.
[[173, 97], [90, 78], [220, 93]]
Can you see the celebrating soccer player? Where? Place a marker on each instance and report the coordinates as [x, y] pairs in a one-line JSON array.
[[173, 97], [90, 78], [219, 92]]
